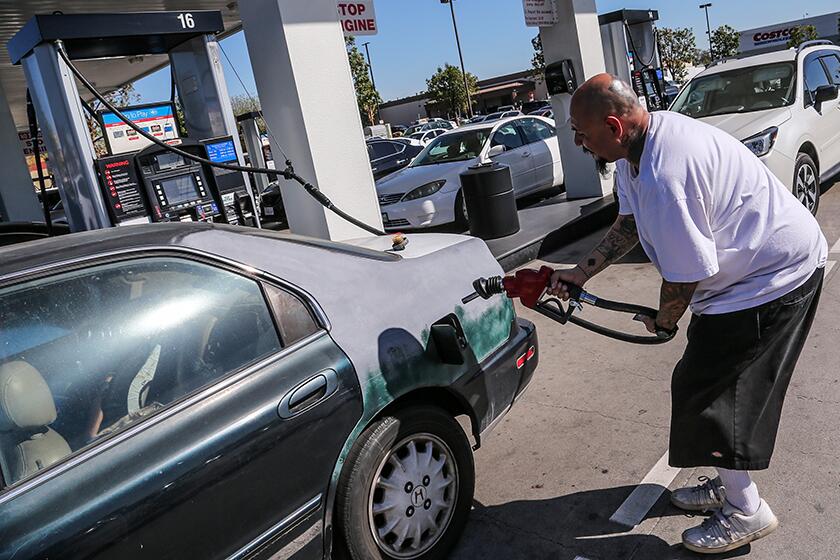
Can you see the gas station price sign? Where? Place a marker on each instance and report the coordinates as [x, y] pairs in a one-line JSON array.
[[155, 119]]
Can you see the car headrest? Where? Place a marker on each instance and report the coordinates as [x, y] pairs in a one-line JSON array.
[[26, 401]]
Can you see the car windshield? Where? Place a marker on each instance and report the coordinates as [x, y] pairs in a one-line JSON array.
[[493, 116], [754, 88], [454, 146]]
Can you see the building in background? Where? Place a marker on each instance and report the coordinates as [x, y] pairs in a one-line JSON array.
[[775, 37], [508, 89]]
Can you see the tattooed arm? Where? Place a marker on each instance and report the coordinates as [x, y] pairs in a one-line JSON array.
[[621, 237], [674, 298]]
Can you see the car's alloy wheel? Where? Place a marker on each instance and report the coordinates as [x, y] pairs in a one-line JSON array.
[[462, 219], [413, 496], [806, 183], [406, 487]]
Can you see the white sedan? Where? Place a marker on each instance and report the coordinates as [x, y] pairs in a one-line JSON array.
[[428, 191]]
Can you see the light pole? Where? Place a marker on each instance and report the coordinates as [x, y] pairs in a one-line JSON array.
[[708, 29], [460, 56], [370, 66]]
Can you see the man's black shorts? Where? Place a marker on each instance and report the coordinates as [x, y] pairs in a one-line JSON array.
[[728, 389]]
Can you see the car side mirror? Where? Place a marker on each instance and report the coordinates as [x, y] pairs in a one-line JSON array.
[[825, 93], [496, 150]]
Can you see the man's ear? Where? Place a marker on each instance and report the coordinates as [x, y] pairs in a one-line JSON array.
[[616, 126]]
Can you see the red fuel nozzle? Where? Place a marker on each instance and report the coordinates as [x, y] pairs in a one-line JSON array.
[[527, 284]]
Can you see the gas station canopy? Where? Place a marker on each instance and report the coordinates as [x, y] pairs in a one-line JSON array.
[[106, 74]]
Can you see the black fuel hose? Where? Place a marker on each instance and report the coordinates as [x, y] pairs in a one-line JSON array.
[[288, 173], [553, 309]]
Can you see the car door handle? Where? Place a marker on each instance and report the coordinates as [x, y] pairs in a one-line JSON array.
[[526, 154], [307, 394], [401, 161]]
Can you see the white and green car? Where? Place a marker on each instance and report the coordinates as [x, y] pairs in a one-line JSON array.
[[204, 391]]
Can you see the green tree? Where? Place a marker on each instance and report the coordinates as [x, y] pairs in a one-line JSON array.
[[725, 41], [677, 49], [538, 59], [799, 35], [446, 89], [367, 97], [242, 104]]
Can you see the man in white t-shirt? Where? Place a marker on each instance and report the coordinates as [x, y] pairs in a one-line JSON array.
[[735, 245]]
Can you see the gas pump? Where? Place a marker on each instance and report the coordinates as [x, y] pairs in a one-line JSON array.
[[138, 181], [157, 184], [631, 53]]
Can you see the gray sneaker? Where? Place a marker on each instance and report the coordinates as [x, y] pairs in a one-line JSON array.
[[707, 495], [729, 528]]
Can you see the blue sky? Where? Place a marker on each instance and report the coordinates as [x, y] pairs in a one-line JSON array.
[[416, 37]]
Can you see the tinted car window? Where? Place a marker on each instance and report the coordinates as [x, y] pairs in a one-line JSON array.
[[95, 350], [507, 136], [814, 75], [293, 317], [535, 130], [832, 64], [381, 149]]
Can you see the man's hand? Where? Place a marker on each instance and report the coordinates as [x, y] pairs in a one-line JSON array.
[[650, 323], [558, 285]]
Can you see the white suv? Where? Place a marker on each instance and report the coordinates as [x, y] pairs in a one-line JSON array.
[[783, 105]]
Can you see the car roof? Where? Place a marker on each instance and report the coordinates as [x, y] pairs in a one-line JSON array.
[[219, 240], [786, 55]]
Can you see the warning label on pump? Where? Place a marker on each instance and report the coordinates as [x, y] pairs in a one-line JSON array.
[[357, 18], [157, 120]]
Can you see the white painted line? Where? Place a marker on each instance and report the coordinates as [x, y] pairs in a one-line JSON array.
[[580, 558], [639, 502], [836, 248], [828, 266]]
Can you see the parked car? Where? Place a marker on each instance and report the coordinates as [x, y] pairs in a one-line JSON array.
[[398, 130], [428, 192], [501, 115], [194, 391], [505, 108], [546, 112], [408, 141], [671, 92], [475, 119], [426, 136], [782, 105], [386, 156], [529, 107]]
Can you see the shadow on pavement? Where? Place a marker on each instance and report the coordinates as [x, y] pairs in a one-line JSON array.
[[570, 527]]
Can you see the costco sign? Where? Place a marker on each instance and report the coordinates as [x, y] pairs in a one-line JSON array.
[[827, 26], [357, 18]]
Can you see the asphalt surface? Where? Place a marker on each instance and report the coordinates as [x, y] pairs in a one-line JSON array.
[[594, 425]]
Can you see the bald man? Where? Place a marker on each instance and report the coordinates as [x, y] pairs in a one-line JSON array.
[[734, 245]]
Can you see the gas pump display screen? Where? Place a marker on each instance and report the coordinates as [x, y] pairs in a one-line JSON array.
[[180, 189], [221, 152], [155, 119]]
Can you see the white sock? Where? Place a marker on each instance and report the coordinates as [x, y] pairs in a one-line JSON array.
[[741, 491]]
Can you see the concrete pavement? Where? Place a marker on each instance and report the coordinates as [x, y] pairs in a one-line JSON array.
[[594, 425]]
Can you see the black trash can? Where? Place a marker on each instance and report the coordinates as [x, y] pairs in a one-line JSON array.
[[490, 200]]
